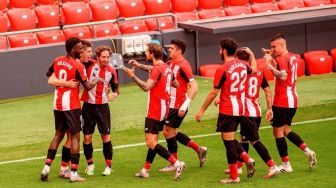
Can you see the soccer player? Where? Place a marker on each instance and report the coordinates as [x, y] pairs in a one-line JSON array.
[[96, 109], [230, 82], [158, 86], [283, 65], [67, 111], [249, 127]]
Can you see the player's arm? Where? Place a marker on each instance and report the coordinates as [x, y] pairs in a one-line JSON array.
[[252, 60], [268, 97], [143, 67], [270, 62], [88, 85], [114, 87], [193, 88], [54, 81], [211, 96], [146, 86]]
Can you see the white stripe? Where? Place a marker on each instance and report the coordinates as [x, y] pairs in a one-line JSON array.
[[142, 144], [290, 97], [235, 105], [250, 107], [163, 109], [66, 100], [242, 97]]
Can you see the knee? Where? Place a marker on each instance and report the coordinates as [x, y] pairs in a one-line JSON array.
[[87, 139], [151, 144], [105, 137]]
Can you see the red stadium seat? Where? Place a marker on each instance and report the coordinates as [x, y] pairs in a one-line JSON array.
[[130, 8], [237, 10], [311, 3], [3, 23], [21, 19], [318, 62], [76, 12], [264, 7], [333, 1], [106, 30], [85, 1], [183, 6], [263, 68], [206, 4], [186, 16], [229, 3], [47, 15], [290, 4], [157, 6], [47, 37], [80, 32], [301, 66], [135, 26], [22, 40], [3, 5], [46, 2], [3, 43], [262, 1], [211, 13], [333, 54], [208, 70], [21, 3], [164, 23], [103, 10]]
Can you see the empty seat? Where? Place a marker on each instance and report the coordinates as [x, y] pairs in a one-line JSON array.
[[80, 32], [290, 4], [263, 68], [160, 23], [186, 16], [130, 8], [3, 5], [45, 2], [213, 4], [3, 43], [106, 30], [21, 19], [135, 26], [264, 7], [262, 1], [85, 1], [48, 15], [22, 40], [76, 12], [183, 6], [318, 62], [211, 13], [21, 3], [310, 3], [237, 10], [208, 70], [47, 37], [333, 1], [3, 23], [301, 69], [103, 10], [236, 3], [333, 54], [157, 6]]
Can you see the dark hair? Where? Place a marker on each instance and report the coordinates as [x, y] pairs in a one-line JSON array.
[[70, 43], [278, 36], [230, 45], [242, 54], [86, 44], [179, 44], [156, 50], [100, 49]]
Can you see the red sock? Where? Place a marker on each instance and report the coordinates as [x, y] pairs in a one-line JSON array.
[[108, 163], [192, 144], [175, 155], [233, 171], [245, 157], [239, 164], [48, 161], [172, 159], [285, 159], [303, 146], [89, 161], [64, 164], [74, 167], [270, 163], [147, 165]]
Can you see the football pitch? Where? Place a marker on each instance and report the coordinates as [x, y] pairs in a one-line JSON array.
[[27, 128]]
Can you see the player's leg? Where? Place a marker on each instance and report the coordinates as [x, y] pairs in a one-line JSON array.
[[169, 133], [89, 118], [66, 156]]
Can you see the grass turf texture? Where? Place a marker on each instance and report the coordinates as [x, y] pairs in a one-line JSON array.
[[27, 128]]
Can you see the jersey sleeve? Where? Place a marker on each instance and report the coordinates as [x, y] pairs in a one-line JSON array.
[[264, 82], [282, 64], [81, 73], [114, 81], [219, 79], [186, 73], [50, 70], [248, 68], [155, 74]]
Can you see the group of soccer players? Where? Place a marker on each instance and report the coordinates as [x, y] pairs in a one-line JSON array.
[[171, 88]]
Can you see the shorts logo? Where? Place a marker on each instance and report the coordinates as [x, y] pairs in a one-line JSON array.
[[167, 122], [82, 121], [146, 129]]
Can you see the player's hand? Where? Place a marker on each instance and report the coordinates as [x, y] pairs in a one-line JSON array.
[[266, 51], [268, 58], [107, 89], [216, 102], [133, 62], [199, 115], [129, 72], [269, 114], [181, 113], [71, 83], [248, 50], [112, 96]]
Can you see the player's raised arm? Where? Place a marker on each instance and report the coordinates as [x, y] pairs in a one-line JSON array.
[[143, 67]]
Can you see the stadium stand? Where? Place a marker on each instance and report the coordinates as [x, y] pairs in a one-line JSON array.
[[45, 2], [158, 7], [21, 19], [3, 23], [264, 7], [47, 37], [160, 23], [21, 3], [333, 1], [229, 3], [301, 70], [211, 13], [310, 3], [184, 10], [22, 40], [3, 5], [206, 4], [210, 9], [103, 10], [135, 26], [105, 30], [318, 62], [80, 32], [48, 15], [3, 43], [262, 1], [85, 1], [333, 54], [208, 70], [237, 10], [76, 12], [290, 4], [130, 8]]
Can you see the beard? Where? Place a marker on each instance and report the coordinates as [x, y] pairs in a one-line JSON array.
[[78, 56], [149, 60], [222, 57]]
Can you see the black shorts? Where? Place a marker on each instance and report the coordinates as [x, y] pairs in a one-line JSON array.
[[249, 128], [173, 119], [96, 114], [282, 116], [153, 126], [226, 123], [70, 120]]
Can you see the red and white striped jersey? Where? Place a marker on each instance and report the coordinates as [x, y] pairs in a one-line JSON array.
[[230, 78], [253, 84], [159, 94], [67, 68], [106, 75], [285, 91], [183, 74]]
